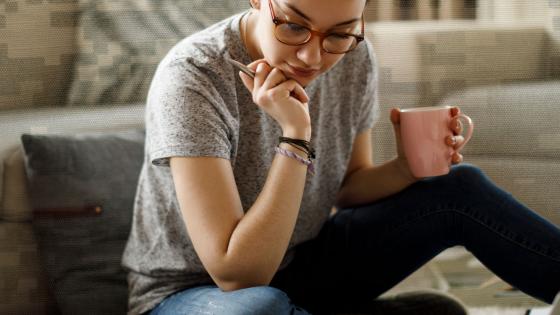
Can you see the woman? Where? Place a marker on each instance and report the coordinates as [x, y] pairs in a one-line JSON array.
[[232, 219]]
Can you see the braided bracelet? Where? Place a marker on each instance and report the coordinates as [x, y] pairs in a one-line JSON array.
[[299, 144], [291, 154]]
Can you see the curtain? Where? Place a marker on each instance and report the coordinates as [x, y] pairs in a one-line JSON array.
[[388, 10]]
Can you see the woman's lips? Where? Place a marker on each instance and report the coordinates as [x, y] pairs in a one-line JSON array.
[[302, 72]]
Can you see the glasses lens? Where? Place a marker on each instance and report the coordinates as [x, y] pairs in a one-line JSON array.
[[295, 34], [292, 34], [339, 43]]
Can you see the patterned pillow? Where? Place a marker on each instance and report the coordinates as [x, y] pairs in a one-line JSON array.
[[121, 42]]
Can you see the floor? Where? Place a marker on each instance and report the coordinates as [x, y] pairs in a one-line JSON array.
[[457, 272]]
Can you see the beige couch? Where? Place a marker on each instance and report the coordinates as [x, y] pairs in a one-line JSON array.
[[497, 74]]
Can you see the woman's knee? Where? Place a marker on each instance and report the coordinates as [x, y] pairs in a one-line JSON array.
[[263, 300], [472, 181], [467, 176], [253, 300], [212, 300], [467, 172]]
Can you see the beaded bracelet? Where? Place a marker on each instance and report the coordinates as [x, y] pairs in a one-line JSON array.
[[291, 154]]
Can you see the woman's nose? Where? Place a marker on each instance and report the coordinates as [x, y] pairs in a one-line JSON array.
[[311, 52]]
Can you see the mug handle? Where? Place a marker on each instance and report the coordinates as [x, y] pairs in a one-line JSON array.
[[469, 130]]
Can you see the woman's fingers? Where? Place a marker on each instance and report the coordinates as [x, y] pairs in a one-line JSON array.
[[300, 93], [253, 65], [247, 80], [456, 158], [454, 141], [262, 72], [275, 77], [270, 79], [455, 111], [289, 88], [456, 126]]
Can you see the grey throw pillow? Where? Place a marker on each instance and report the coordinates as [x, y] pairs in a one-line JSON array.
[[82, 190], [121, 42]]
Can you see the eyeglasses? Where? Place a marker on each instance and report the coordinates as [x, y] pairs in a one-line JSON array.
[[294, 34]]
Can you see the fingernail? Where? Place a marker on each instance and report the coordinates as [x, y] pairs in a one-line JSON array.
[[259, 67]]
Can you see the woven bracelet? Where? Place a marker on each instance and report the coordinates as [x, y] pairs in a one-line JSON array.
[[288, 153], [299, 144]]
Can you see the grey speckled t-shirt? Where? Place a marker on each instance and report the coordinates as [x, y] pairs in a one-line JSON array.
[[198, 106]]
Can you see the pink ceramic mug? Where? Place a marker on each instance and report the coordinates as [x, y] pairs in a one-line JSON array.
[[423, 134]]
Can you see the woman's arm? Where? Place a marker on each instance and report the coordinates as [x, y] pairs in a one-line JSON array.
[[239, 250], [365, 183], [244, 249], [372, 183]]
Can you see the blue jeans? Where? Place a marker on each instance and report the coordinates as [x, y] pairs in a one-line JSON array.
[[364, 251]]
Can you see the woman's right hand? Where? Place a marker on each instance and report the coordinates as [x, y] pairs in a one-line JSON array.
[[283, 99]]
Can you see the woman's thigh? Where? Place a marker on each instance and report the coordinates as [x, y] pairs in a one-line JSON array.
[[212, 300]]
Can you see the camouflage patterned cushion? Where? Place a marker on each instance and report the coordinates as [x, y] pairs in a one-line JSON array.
[[122, 41], [36, 52]]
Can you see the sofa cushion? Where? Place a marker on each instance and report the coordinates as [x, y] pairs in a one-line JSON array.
[[512, 120], [121, 42], [15, 201], [82, 191]]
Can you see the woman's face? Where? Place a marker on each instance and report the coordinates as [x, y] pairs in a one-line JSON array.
[[319, 15]]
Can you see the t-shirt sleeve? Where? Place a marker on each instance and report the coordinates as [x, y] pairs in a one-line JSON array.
[[369, 110], [186, 115]]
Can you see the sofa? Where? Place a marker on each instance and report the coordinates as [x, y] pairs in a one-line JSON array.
[[498, 74]]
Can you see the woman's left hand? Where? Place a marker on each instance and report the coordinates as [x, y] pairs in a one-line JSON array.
[[453, 141]]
